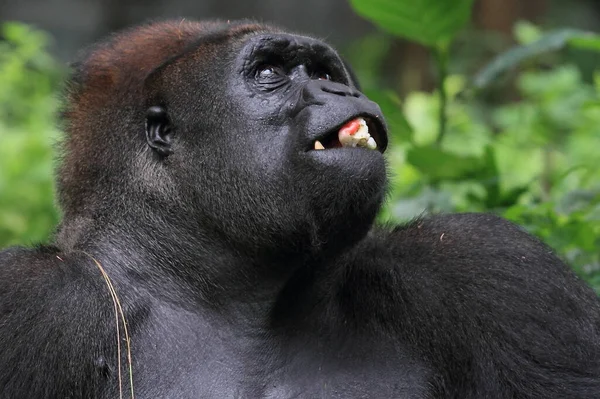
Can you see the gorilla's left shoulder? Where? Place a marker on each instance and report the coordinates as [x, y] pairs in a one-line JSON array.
[[477, 285], [478, 258], [482, 228], [467, 241]]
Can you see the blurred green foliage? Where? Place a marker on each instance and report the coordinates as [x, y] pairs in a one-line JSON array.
[[429, 22], [28, 83], [534, 160]]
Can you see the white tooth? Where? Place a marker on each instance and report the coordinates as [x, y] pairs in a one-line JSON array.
[[371, 144], [318, 145]]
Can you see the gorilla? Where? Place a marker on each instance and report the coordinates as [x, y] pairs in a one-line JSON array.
[[219, 183]]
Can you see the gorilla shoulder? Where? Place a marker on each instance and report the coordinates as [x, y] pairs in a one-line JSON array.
[[54, 328], [485, 287], [475, 250]]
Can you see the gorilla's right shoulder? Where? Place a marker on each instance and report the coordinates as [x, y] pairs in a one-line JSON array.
[[53, 312], [34, 267], [25, 266], [36, 282], [37, 277]]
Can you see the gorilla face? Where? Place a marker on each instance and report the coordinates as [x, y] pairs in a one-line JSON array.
[[277, 98]]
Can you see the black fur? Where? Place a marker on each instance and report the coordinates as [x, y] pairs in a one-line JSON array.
[[247, 265]]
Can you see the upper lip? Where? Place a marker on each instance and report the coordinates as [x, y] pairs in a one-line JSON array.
[[377, 130]]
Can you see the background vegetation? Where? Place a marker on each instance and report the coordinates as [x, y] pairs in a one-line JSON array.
[[29, 79], [517, 134]]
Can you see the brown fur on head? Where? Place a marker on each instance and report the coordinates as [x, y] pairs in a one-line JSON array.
[[105, 104], [123, 61]]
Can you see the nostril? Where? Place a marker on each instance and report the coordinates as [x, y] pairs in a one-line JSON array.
[[317, 92], [335, 90], [340, 90]]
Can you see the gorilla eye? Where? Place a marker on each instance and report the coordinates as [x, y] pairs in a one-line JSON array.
[[270, 77], [322, 75], [269, 72]]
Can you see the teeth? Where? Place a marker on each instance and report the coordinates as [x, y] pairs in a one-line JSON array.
[[353, 134], [356, 134], [371, 144]]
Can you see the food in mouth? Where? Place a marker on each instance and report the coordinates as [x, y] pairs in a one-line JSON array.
[[354, 133]]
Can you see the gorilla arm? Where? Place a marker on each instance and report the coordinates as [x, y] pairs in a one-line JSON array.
[[493, 311]]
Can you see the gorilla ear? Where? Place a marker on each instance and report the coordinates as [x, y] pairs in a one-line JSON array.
[[159, 132]]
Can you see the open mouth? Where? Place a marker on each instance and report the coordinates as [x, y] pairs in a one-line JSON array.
[[359, 132]]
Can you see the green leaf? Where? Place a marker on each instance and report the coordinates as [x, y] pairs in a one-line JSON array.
[[429, 22], [551, 41], [438, 164], [588, 41], [526, 33]]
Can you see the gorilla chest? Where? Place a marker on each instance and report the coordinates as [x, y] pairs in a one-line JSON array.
[[185, 355], [190, 358], [358, 370]]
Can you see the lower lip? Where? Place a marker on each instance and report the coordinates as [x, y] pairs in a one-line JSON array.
[[345, 164], [336, 153]]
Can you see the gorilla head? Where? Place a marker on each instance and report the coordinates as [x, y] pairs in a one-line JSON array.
[[213, 126]]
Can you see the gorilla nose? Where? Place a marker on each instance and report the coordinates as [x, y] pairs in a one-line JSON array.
[[320, 91], [325, 93]]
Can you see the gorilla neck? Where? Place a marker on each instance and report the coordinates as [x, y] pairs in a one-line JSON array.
[[171, 257], [135, 238]]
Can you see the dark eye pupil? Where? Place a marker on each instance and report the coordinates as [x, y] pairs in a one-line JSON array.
[[323, 76]]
